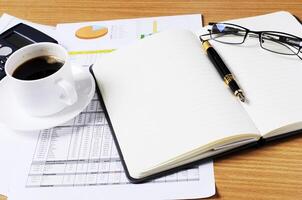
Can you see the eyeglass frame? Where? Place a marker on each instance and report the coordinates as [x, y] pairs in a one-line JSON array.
[[259, 34]]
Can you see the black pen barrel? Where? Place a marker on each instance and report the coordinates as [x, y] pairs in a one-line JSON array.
[[218, 62], [233, 86], [223, 70]]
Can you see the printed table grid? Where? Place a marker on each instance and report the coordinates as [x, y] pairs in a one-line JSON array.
[[81, 152]]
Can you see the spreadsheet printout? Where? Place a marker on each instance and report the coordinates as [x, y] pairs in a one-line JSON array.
[[82, 152], [79, 158]]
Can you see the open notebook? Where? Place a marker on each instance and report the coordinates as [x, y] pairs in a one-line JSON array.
[[167, 105]]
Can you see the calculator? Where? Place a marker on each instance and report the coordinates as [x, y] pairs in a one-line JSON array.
[[17, 37]]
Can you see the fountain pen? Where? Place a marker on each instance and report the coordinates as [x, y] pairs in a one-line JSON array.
[[223, 70]]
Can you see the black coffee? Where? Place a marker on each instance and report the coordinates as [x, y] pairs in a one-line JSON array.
[[38, 67]]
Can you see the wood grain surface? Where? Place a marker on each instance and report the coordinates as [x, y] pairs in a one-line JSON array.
[[270, 172], [2, 197]]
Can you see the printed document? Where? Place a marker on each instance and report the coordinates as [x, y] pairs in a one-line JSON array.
[[78, 159]]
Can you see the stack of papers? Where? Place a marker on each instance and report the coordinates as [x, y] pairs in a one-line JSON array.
[[78, 159]]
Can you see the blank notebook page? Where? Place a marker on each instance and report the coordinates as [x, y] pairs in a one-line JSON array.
[[165, 98]]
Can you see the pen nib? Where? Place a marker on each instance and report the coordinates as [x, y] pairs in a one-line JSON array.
[[241, 96]]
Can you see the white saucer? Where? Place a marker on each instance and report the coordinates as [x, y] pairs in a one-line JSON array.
[[15, 118]]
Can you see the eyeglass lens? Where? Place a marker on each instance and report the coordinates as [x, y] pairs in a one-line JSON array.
[[226, 33], [280, 43]]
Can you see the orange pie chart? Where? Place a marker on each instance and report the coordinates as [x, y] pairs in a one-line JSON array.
[[91, 32]]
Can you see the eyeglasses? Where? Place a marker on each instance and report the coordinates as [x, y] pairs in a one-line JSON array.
[[273, 41]]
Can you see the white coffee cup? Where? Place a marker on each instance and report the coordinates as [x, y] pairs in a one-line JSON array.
[[44, 96]]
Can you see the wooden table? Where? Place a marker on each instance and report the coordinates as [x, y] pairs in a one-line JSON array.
[[271, 172]]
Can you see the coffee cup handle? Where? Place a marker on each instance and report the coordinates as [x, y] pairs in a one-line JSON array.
[[69, 95]]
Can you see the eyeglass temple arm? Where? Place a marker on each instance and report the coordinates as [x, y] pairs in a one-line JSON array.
[[295, 42], [291, 41], [281, 42]]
